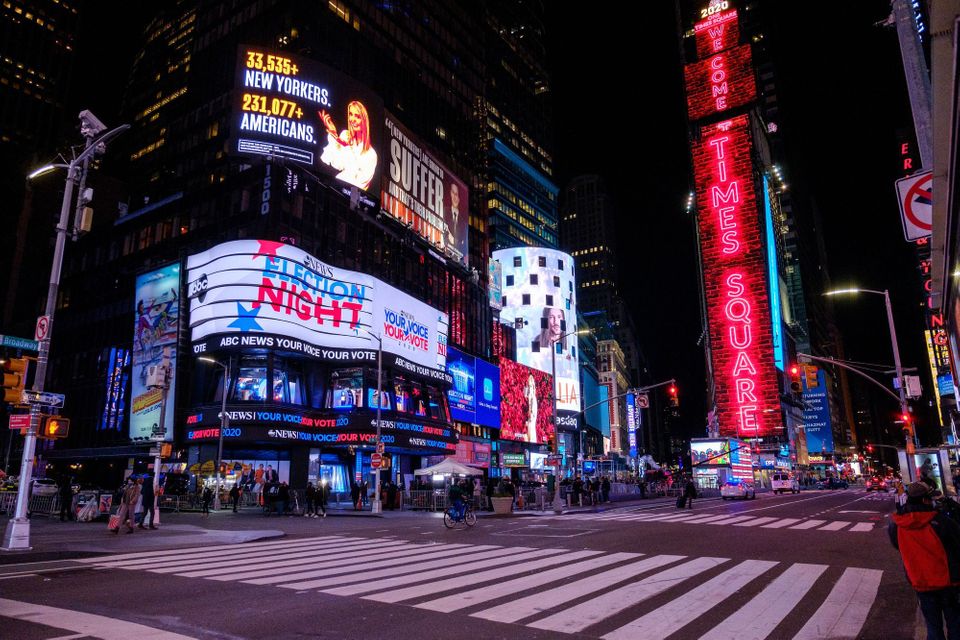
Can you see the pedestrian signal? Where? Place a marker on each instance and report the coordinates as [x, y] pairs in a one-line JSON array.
[[55, 427]]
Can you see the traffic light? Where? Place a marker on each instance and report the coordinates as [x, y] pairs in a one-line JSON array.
[[810, 373], [672, 393], [14, 379], [795, 385], [55, 427], [869, 448]]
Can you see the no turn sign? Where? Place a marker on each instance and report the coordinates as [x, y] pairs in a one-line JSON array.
[[43, 328], [915, 197]]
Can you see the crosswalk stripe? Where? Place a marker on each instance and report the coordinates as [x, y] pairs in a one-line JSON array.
[[862, 526], [846, 608], [809, 524], [466, 599], [683, 610], [530, 605], [418, 591], [755, 522], [126, 558], [243, 556], [759, 617], [779, 524], [703, 519], [836, 525], [402, 561], [732, 520], [466, 562], [580, 616], [322, 558]]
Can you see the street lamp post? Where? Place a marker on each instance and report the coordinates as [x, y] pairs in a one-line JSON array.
[[17, 533], [904, 408], [224, 422]]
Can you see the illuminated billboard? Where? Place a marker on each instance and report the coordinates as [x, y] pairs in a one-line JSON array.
[[115, 394], [526, 411], [735, 282], [421, 192], [488, 394], [718, 30], [817, 425], [260, 293], [720, 82], [539, 300], [462, 395], [157, 301], [710, 452], [299, 110]]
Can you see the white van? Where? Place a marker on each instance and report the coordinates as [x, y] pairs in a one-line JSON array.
[[782, 482]]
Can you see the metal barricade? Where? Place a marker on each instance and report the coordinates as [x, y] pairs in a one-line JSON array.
[[8, 502]]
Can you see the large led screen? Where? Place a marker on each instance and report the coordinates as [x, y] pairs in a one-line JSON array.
[[735, 282], [539, 300], [296, 109], [488, 394], [260, 293], [710, 452], [157, 301], [462, 395], [421, 192], [817, 424], [526, 412]]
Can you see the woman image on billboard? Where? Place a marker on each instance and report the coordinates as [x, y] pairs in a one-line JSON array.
[[350, 152], [552, 323], [530, 395]]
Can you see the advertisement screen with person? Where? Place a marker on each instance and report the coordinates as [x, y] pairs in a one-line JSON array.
[[526, 408]]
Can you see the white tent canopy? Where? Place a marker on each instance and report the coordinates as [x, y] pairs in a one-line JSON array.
[[449, 467]]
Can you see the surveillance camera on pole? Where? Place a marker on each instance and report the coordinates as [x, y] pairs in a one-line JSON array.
[[90, 125]]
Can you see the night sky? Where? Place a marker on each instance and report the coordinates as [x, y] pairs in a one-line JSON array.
[[619, 111]]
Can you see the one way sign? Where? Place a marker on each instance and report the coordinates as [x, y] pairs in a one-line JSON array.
[[915, 196]]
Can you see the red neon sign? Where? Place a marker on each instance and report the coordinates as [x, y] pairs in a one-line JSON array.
[[718, 32], [720, 82], [738, 306]]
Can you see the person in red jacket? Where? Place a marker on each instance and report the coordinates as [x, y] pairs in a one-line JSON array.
[[929, 544]]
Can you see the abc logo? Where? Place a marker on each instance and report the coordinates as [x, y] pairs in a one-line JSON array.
[[198, 288]]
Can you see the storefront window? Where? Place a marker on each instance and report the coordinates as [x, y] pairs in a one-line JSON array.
[[287, 383], [251, 380], [346, 389]]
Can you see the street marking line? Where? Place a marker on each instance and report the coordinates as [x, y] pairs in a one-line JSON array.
[[580, 616], [452, 565], [836, 525], [846, 608], [156, 556], [781, 523], [862, 526], [545, 600], [731, 520], [809, 524], [759, 617], [253, 567], [240, 556], [755, 522], [440, 586], [683, 610], [153, 555], [86, 623], [466, 599]]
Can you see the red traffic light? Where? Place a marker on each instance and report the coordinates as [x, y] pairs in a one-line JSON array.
[[794, 370], [672, 390], [905, 417], [869, 448]]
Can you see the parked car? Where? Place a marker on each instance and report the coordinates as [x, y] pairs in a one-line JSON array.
[[742, 489], [833, 483], [782, 482], [44, 487], [877, 484]]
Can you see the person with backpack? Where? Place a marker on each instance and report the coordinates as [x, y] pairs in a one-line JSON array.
[[929, 545], [690, 492]]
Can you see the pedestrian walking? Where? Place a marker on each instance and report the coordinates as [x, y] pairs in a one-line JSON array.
[[690, 492], [66, 499], [283, 499], [605, 489], [364, 493], [205, 499], [235, 496], [149, 500], [128, 502], [321, 498], [929, 545], [355, 495], [310, 500]]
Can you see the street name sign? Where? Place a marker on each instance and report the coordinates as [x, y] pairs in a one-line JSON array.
[[46, 398]]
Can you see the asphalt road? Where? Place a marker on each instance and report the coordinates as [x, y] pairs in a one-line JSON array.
[[813, 565]]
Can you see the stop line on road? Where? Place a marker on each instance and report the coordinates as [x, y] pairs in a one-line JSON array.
[[606, 594]]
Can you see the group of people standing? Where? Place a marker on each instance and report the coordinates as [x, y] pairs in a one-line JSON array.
[[136, 496], [596, 490]]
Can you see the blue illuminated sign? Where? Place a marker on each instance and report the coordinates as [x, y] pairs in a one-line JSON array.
[[816, 416], [488, 394], [776, 318], [462, 395]]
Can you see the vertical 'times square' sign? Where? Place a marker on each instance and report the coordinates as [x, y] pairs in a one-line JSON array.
[[738, 305]]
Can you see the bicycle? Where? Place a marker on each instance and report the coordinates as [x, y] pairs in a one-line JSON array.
[[451, 518]]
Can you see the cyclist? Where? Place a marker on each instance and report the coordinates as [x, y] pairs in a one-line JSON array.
[[456, 499]]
